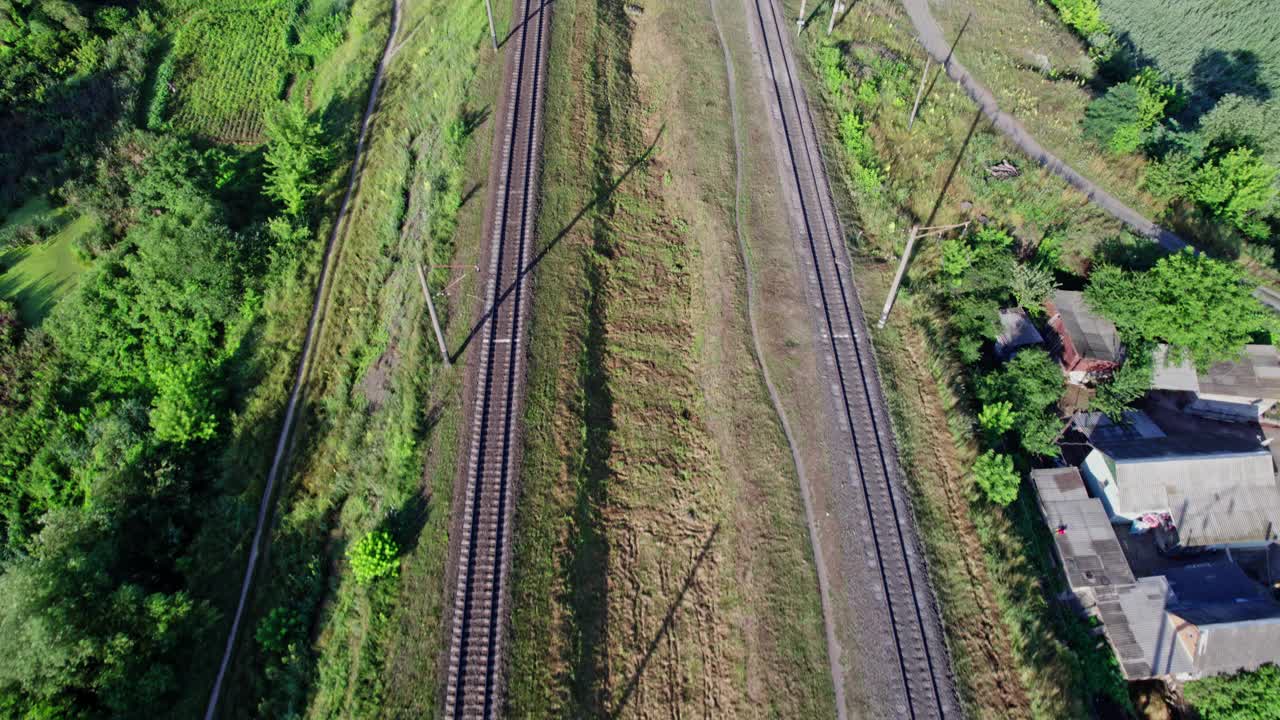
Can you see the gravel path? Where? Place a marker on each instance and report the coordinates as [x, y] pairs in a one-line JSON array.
[[939, 48], [824, 584]]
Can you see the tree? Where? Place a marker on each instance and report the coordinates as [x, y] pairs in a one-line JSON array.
[[1031, 285], [1031, 383], [1244, 696], [996, 418], [1203, 308], [994, 473], [1239, 188], [375, 556], [1113, 120], [295, 153], [1126, 386]]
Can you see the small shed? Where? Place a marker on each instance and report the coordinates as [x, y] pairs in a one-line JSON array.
[[1016, 331], [1085, 343]]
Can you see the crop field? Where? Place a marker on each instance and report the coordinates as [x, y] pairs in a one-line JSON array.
[[1213, 47], [228, 67]]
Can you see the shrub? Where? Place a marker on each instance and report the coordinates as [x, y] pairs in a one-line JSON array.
[[277, 630], [997, 418], [1112, 120], [1245, 696], [375, 556], [1239, 188], [994, 474], [1083, 16]]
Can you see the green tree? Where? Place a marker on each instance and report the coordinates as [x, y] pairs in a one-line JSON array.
[[374, 556], [1244, 696], [997, 418], [1125, 386], [1032, 384], [1114, 120], [994, 474], [1201, 307], [296, 153], [1238, 187], [1031, 284]]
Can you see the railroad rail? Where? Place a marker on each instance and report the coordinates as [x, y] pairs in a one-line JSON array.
[[475, 683], [922, 681]]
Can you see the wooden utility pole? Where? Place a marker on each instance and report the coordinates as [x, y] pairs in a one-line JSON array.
[[919, 90], [916, 233], [800, 19], [493, 34], [435, 321]]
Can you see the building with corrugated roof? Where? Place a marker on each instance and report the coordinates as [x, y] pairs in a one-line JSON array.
[[1238, 391], [1218, 491], [1016, 331], [1085, 343], [1192, 621]]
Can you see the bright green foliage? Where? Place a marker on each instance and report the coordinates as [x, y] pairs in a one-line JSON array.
[[994, 474], [1031, 284], [1126, 386], [1244, 696], [375, 556], [1032, 384], [831, 68], [1113, 121], [295, 153], [183, 408], [1083, 16], [1237, 121], [1239, 188], [232, 66], [997, 418], [1199, 306], [1049, 253], [853, 134], [1156, 98], [956, 259]]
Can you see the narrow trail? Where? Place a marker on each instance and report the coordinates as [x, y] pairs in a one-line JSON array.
[[939, 49], [834, 650], [314, 325]]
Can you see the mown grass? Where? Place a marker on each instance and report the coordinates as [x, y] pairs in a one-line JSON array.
[[662, 563], [35, 277]]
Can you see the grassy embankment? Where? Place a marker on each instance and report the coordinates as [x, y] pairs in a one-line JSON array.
[[375, 445], [1016, 653], [1041, 73], [34, 277], [663, 562]]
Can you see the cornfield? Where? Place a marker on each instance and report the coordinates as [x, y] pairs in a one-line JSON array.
[[232, 61], [1212, 47]]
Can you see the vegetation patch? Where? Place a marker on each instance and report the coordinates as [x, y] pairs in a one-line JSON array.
[[37, 276]]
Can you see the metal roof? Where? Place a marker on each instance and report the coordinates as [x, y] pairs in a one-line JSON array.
[[1143, 634], [1214, 516], [1087, 545], [1093, 335], [1016, 330], [1236, 623], [1102, 430], [1256, 376], [1167, 376]]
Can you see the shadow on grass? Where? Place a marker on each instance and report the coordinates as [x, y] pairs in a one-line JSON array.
[[942, 68], [667, 621], [602, 196]]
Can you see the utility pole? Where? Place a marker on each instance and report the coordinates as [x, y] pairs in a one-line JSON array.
[[435, 321], [800, 19], [493, 35], [916, 233], [919, 90], [837, 7]]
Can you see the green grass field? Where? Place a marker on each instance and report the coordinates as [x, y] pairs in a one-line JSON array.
[[36, 277]]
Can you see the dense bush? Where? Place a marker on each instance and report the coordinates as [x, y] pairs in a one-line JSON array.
[[1201, 307], [995, 475], [1244, 696], [1032, 384], [375, 556]]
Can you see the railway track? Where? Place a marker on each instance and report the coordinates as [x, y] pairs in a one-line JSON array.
[[919, 676], [474, 686]]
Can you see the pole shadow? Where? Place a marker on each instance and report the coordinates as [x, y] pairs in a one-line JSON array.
[[951, 174], [946, 62], [600, 198], [667, 622], [531, 13]]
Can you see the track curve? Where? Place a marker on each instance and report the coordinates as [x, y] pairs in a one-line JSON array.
[[919, 683], [483, 511]]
